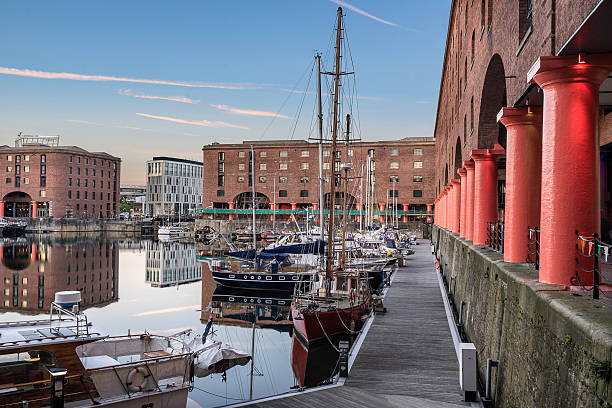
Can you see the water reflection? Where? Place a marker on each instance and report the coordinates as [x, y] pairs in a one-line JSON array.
[[315, 363], [32, 271], [171, 263]]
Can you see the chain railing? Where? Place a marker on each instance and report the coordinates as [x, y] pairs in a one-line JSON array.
[[592, 258], [495, 236], [533, 246]]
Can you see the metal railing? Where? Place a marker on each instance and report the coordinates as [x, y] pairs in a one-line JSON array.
[[495, 236], [591, 257], [533, 246]]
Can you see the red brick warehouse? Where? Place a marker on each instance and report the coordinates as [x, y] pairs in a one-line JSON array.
[[43, 179], [524, 108], [287, 174]]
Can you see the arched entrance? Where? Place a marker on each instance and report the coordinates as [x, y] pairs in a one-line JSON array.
[[493, 98], [244, 200], [18, 256], [17, 204]]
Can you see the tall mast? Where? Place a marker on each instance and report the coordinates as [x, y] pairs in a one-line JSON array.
[[330, 238], [253, 195], [361, 201], [344, 200], [320, 118]]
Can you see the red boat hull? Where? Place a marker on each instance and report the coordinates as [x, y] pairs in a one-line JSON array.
[[313, 326]]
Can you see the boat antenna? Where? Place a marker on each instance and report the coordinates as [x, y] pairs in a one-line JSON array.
[[330, 238]]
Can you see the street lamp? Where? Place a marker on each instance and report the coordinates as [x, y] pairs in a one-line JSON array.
[[57, 386]]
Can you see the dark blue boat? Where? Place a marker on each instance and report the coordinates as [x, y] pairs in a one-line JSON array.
[[255, 280]]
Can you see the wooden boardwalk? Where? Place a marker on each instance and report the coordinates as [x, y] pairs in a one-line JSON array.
[[407, 358]]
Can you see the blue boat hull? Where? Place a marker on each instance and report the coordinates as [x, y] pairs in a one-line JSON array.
[[283, 281]]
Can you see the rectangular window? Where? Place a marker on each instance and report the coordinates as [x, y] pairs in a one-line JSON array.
[[394, 152], [417, 152], [70, 159], [417, 179], [263, 154], [220, 193], [221, 156], [283, 153], [17, 182], [26, 157], [305, 153], [417, 193], [17, 169], [9, 180], [263, 166], [350, 152], [220, 168], [9, 158], [86, 171], [26, 180], [394, 165], [282, 193], [283, 179], [43, 158], [78, 197], [17, 159], [241, 154], [241, 166], [418, 165], [282, 166], [303, 193], [43, 193], [304, 179], [43, 169], [43, 181], [326, 166], [26, 169], [262, 179], [240, 180], [69, 170], [9, 169], [371, 153], [304, 166], [325, 153], [220, 180], [393, 179], [69, 194], [393, 194]]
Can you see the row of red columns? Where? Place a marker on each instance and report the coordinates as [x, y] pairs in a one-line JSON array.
[[34, 209], [552, 170]]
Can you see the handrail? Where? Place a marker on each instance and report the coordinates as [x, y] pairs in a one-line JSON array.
[[146, 360], [5, 386]]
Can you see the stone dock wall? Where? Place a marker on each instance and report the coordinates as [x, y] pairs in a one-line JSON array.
[[84, 225], [554, 348]]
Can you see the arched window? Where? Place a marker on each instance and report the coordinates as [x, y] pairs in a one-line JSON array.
[[473, 45], [482, 14], [472, 115], [525, 18], [465, 72]]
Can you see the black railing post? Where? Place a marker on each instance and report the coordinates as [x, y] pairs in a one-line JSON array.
[[596, 266]]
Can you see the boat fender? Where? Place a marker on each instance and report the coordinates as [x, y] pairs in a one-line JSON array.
[[130, 379]]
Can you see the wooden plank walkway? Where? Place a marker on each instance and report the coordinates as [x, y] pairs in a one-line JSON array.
[[407, 358]]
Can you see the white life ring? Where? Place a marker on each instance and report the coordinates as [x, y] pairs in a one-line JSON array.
[[145, 379]]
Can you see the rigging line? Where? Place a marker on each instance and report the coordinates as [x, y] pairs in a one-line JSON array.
[[283, 104], [217, 395], [350, 54], [299, 111]]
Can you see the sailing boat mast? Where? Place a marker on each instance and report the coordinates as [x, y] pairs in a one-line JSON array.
[[330, 238], [346, 167], [320, 118], [253, 195]]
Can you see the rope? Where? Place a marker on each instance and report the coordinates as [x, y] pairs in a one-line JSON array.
[[326, 336], [217, 395], [341, 321]]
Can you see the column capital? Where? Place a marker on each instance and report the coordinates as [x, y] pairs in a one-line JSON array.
[[448, 187], [462, 172], [523, 116], [488, 154], [468, 165], [456, 182], [548, 70]]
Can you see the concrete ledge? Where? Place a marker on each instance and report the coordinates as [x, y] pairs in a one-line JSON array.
[[554, 348]]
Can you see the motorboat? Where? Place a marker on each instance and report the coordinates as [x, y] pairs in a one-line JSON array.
[[172, 230]]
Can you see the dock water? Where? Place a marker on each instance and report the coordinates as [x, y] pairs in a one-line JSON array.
[[407, 358]]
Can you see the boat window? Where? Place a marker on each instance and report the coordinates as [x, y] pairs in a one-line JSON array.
[[26, 367]]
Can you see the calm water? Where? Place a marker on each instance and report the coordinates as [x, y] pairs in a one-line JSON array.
[[147, 285]]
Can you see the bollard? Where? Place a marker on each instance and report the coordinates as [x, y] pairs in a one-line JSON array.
[[343, 358]]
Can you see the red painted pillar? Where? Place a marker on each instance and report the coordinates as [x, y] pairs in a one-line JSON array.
[[463, 176], [315, 206], [381, 217], [33, 253], [293, 206], [429, 209], [469, 199], [231, 207], [405, 217], [34, 209], [485, 191], [523, 175], [273, 208], [570, 158], [449, 208], [1, 208], [456, 203], [1, 252]]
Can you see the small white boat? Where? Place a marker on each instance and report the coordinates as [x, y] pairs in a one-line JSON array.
[[173, 230]]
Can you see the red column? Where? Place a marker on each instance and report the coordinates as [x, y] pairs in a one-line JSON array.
[[34, 209], [429, 209], [272, 207], [1, 249], [523, 175], [456, 203], [485, 190], [381, 217], [315, 206], [294, 206], [33, 253], [405, 217], [231, 207], [463, 176], [570, 158], [448, 199], [469, 199], [1, 208]]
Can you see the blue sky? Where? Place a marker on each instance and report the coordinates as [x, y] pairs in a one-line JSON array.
[[208, 71]]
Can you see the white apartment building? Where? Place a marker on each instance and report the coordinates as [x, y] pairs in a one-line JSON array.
[[174, 186]]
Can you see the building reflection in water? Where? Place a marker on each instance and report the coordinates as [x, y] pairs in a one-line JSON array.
[[171, 263], [32, 272]]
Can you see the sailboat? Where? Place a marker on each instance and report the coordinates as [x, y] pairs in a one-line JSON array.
[[338, 301]]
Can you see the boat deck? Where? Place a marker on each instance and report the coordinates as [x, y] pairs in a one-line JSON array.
[[407, 358]]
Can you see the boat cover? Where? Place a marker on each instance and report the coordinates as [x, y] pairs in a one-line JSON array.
[[316, 247]]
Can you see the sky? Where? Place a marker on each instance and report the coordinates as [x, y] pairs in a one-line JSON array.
[[139, 79]]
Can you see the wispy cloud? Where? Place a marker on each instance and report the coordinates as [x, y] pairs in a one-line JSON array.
[[182, 99], [364, 98], [87, 122], [106, 78], [168, 310], [249, 112], [190, 134], [205, 123], [363, 13]]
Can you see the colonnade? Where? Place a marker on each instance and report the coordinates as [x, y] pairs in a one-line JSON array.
[[552, 171]]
